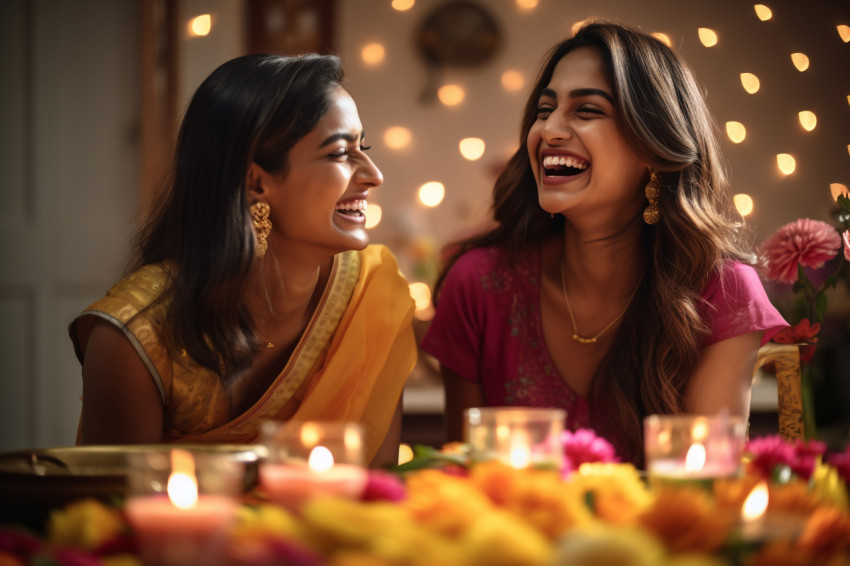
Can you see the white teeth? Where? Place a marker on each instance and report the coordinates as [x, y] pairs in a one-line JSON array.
[[359, 205], [564, 161]]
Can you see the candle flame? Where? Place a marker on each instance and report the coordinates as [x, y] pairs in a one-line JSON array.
[[320, 460], [756, 503], [695, 460], [182, 484], [520, 456]]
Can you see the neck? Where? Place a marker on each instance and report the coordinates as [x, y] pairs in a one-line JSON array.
[[606, 262], [282, 289]]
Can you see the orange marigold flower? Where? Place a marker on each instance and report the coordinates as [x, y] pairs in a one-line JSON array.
[[794, 498], [781, 553], [827, 532], [444, 503], [686, 520]]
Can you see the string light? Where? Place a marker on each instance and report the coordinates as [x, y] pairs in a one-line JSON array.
[[373, 54], [808, 120], [786, 162], [397, 137], [471, 148], [707, 37], [451, 95], [763, 12], [736, 131], [200, 26], [750, 82], [800, 60], [743, 203], [432, 193]]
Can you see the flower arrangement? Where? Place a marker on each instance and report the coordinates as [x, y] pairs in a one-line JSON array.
[[457, 513], [796, 254]]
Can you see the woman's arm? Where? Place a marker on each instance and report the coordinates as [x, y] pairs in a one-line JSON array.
[[724, 377], [121, 403], [387, 454], [460, 394]]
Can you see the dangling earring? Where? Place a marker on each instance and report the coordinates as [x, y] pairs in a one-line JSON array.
[[262, 226], [652, 214]]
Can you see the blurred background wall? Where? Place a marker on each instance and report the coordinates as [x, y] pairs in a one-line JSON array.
[[93, 90]]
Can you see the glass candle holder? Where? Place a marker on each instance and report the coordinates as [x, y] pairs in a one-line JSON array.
[[693, 449], [310, 459], [519, 437], [181, 505]]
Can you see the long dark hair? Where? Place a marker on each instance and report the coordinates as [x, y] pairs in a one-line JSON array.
[[663, 114], [252, 109]]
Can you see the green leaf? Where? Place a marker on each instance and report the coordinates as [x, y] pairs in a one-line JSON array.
[[844, 202], [831, 281]]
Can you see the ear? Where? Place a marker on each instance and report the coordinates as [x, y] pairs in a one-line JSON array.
[[254, 181]]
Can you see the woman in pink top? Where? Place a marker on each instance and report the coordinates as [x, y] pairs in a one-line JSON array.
[[615, 282]]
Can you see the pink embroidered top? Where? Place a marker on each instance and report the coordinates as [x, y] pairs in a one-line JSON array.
[[487, 329]]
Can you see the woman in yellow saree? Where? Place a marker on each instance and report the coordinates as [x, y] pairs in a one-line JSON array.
[[256, 294]]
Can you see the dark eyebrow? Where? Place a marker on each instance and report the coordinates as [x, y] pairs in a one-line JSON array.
[[343, 136], [578, 93]]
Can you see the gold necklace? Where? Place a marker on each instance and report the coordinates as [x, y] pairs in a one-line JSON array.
[[576, 336]]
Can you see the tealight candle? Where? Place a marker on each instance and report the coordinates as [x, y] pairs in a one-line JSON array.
[[181, 513], [758, 525], [693, 449], [519, 437], [312, 459]]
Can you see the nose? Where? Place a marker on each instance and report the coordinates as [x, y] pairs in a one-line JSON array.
[[556, 129], [368, 174]]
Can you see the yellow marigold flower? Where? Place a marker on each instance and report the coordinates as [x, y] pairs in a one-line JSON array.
[[84, 524], [499, 538], [827, 532], [794, 498], [617, 491], [262, 521], [540, 497], [695, 560], [444, 503], [609, 545], [782, 553], [687, 520], [357, 559], [829, 486]]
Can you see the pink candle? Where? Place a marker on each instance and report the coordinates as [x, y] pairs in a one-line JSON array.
[[172, 536], [291, 484]]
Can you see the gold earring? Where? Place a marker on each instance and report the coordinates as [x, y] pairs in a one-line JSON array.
[[262, 226], [652, 214]]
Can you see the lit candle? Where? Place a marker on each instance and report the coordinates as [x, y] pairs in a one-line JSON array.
[[291, 483], [758, 525], [519, 437], [181, 527]]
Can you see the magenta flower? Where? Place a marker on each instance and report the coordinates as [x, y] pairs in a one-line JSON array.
[[801, 333], [583, 446], [806, 242], [768, 452], [383, 486], [806, 455]]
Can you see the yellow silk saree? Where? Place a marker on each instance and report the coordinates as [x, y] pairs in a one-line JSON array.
[[350, 364]]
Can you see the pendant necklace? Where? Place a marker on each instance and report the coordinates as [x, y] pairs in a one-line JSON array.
[[592, 339]]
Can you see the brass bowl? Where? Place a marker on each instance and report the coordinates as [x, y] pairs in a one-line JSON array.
[[32, 482]]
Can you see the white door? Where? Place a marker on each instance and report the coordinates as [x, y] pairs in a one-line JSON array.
[[68, 194]]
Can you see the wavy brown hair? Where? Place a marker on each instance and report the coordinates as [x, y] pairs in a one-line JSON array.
[[252, 109], [663, 114]]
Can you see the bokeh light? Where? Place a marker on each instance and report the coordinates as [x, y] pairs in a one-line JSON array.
[[373, 54], [663, 38], [808, 120], [844, 33], [763, 12], [707, 37], [472, 148], [744, 204], [374, 212], [451, 95], [736, 131], [526, 4], [512, 80], [432, 193], [402, 5], [200, 25], [397, 137], [786, 162], [750, 82], [405, 453], [800, 60]]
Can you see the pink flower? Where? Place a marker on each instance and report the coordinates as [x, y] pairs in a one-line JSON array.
[[806, 454], [806, 242], [583, 446], [841, 462], [768, 452], [383, 486], [846, 237]]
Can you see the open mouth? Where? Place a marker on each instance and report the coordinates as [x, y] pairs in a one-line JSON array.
[[355, 209], [563, 165]]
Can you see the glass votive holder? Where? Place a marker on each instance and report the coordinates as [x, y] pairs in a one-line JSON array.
[[519, 437], [693, 449], [310, 459], [181, 505]]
